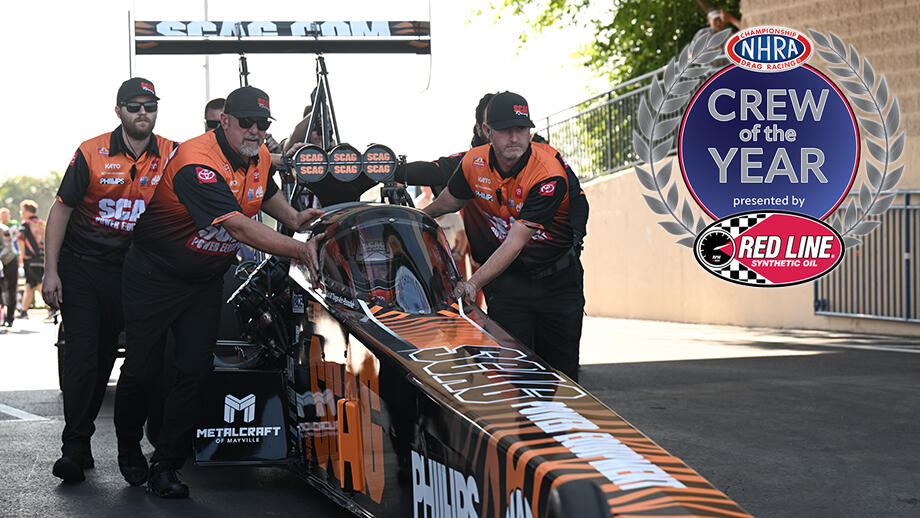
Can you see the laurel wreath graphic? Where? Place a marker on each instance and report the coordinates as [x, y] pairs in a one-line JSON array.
[[871, 98], [683, 75], [681, 78]]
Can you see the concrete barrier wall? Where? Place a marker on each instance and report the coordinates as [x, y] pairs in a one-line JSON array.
[[633, 268]]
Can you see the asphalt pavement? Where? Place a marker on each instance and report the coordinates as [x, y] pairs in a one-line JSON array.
[[787, 423]]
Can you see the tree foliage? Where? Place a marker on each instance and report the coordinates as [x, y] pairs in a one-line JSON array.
[[41, 190], [631, 37]]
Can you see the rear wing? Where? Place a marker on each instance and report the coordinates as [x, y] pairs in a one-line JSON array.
[[314, 37]]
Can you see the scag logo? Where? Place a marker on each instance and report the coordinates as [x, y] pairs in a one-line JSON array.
[[521, 109], [120, 214], [768, 49], [263, 103], [147, 87]]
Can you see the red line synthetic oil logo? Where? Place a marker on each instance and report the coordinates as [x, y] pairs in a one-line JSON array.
[[768, 49], [768, 248]]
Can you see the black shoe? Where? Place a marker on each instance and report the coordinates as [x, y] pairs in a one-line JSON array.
[[87, 461], [164, 482], [133, 466], [68, 469]]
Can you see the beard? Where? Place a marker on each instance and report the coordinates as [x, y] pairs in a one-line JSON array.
[[135, 132], [250, 149]]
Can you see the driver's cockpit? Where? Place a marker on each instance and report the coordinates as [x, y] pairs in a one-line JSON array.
[[391, 256]]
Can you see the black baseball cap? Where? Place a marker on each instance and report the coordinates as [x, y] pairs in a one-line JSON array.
[[507, 110], [247, 101], [134, 87]]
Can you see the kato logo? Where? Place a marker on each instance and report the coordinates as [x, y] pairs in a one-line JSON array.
[[768, 248], [768, 49]]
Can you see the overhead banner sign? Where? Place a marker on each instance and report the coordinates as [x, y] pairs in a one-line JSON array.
[[216, 37]]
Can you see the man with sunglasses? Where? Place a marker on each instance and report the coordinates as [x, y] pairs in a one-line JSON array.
[[214, 186], [212, 112], [107, 185]]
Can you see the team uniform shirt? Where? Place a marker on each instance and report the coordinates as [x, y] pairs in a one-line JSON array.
[[36, 226], [205, 183], [535, 192], [109, 188]]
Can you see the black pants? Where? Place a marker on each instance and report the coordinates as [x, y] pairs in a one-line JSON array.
[[8, 290], [545, 314], [92, 313], [154, 303]]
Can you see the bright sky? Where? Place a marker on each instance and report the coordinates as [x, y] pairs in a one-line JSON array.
[[63, 62]]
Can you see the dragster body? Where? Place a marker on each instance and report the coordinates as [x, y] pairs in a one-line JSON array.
[[394, 399]]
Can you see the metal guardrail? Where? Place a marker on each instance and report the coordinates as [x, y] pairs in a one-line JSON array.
[[595, 136], [878, 279]]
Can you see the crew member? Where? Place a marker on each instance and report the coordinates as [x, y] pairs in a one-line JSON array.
[[212, 112], [185, 241], [105, 188], [521, 232]]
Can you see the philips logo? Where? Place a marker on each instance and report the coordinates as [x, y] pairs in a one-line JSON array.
[[247, 405], [484, 195]]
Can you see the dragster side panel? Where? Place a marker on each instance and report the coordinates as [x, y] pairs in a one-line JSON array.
[[458, 419]]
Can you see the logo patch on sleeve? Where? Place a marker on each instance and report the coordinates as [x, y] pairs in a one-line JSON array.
[[206, 175], [548, 188]]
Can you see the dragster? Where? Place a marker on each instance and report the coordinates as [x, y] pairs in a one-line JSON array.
[[376, 386], [394, 399]]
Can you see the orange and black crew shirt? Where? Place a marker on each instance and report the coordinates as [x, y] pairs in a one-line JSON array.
[[109, 187], [205, 183], [535, 192]]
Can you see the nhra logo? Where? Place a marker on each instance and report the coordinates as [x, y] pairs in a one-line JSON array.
[[768, 49], [769, 248], [521, 109], [206, 175], [246, 405], [147, 87]]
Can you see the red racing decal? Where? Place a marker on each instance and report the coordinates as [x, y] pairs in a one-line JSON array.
[[548, 188], [206, 175]]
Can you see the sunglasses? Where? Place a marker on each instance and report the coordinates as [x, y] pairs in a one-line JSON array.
[[212, 124], [134, 107], [247, 122]]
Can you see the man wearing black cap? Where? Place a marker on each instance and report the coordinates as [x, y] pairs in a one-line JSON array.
[[520, 230], [213, 186], [107, 185]]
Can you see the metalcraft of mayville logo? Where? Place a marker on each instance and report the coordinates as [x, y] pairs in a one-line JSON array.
[[769, 147]]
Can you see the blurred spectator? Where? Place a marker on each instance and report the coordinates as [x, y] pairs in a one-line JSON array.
[[718, 19], [32, 245], [9, 274]]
